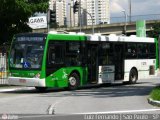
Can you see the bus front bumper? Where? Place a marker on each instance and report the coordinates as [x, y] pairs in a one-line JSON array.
[[31, 82]]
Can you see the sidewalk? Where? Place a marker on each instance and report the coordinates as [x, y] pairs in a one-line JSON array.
[[7, 88], [150, 100], [158, 73]]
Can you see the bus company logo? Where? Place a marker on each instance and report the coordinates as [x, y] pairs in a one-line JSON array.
[[64, 74], [9, 117]]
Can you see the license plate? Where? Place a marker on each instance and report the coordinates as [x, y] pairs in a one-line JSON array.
[[22, 80]]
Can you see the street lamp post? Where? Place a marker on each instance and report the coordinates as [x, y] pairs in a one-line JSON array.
[[92, 21], [80, 17], [125, 26], [50, 7], [70, 14], [48, 20], [72, 23], [130, 10], [80, 20]]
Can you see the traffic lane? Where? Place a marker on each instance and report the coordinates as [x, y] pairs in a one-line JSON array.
[[94, 99], [113, 98], [28, 101]]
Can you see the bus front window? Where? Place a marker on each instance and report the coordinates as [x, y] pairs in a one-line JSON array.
[[27, 56]]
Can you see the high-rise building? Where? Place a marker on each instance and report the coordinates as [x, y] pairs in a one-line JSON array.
[[99, 10], [60, 7], [70, 16], [96, 11], [60, 12]]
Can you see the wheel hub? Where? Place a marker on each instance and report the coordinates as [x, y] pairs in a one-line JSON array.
[[72, 81]]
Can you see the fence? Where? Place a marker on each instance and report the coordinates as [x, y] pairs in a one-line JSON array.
[[3, 69]]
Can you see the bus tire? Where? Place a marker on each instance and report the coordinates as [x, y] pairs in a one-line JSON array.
[[41, 89], [133, 76], [73, 81]]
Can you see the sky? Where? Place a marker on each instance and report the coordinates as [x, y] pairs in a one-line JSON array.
[[139, 7]]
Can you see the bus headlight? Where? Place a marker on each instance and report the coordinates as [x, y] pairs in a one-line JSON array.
[[37, 75]]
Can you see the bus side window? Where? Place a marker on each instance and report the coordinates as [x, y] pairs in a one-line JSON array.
[[142, 50], [51, 55], [131, 51], [55, 55], [152, 51], [73, 52]]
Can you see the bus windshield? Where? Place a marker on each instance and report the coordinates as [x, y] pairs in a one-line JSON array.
[[26, 55]]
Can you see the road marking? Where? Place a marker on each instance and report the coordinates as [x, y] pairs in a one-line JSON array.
[[123, 111], [51, 109]]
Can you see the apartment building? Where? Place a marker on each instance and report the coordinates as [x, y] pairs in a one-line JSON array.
[[70, 16], [60, 7], [96, 11], [100, 11]]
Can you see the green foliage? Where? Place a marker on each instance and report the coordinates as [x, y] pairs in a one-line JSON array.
[[14, 16], [155, 94], [155, 32]]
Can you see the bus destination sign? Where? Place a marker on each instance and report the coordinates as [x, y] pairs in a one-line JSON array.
[[30, 39]]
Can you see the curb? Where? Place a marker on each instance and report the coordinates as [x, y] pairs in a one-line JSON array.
[[15, 89], [153, 102]]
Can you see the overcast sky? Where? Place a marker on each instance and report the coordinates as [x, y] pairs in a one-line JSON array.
[[139, 7]]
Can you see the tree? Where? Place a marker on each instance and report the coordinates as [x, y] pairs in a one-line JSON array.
[[155, 32], [14, 16]]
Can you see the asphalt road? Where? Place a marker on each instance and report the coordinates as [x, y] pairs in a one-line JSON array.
[[113, 99]]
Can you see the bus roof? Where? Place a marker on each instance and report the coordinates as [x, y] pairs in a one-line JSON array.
[[67, 37], [115, 38], [72, 36]]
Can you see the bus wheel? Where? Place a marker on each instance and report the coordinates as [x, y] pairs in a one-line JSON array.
[[73, 81], [133, 76], [41, 89]]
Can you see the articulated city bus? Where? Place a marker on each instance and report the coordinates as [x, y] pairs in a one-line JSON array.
[[72, 60]]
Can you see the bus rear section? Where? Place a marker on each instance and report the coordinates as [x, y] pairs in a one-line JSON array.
[[141, 60], [121, 58]]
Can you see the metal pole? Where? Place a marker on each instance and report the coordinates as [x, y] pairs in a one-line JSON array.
[[80, 23], [48, 14], [92, 21], [125, 26], [130, 11], [70, 15], [74, 20], [73, 15], [48, 26]]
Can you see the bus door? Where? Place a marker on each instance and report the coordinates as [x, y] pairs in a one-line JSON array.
[[119, 61], [92, 63]]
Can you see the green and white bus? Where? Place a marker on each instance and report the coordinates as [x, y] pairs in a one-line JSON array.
[[72, 60]]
